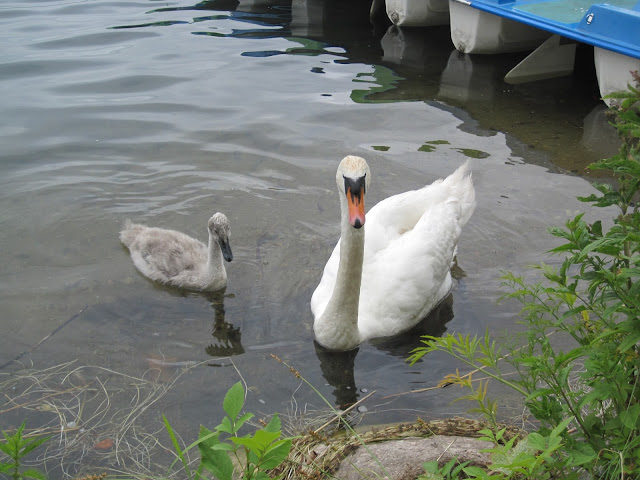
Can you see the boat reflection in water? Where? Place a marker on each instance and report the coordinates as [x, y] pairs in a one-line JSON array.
[[470, 78]]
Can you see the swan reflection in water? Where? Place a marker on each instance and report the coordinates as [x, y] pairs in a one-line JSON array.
[[227, 338], [338, 367]]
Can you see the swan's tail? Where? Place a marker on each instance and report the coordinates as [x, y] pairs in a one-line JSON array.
[[461, 184]]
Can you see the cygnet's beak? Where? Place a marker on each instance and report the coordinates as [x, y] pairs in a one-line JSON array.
[[226, 250]]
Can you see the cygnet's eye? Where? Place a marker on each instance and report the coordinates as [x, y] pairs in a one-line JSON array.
[[222, 231]]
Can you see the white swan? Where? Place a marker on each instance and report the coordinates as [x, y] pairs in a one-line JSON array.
[[383, 283], [176, 259]]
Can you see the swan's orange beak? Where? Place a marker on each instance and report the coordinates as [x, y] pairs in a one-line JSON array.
[[356, 207]]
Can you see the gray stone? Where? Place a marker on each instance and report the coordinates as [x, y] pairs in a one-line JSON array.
[[403, 459]]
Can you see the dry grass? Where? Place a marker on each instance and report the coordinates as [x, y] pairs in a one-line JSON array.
[[93, 415], [315, 456]]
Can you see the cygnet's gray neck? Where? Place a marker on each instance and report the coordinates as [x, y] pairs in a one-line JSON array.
[[215, 264]]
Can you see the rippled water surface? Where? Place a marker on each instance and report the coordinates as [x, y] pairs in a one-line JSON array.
[[166, 112]]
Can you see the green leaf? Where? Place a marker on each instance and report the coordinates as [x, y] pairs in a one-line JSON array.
[[217, 462], [260, 475], [266, 438], [476, 472], [222, 446], [581, 454], [234, 401], [602, 245], [176, 446], [430, 466], [225, 426], [449, 466], [629, 417], [455, 473], [276, 454], [567, 247], [250, 443], [33, 444], [536, 441], [619, 94], [559, 232], [274, 424], [6, 449], [563, 375], [613, 424], [33, 473], [18, 435], [489, 433], [629, 341], [259, 442], [254, 458], [241, 421], [560, 427], [208, 440]]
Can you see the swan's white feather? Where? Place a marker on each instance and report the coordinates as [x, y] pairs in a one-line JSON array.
[[409, 247]]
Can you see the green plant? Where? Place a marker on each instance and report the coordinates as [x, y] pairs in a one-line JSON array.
[[16, 448], [530, 458], [449, 471], [254, 454], [579, 365], [456, 347]]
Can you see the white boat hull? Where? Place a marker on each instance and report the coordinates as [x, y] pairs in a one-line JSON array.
[[554, 58], [475, 31], [418, 13], [612, 70]]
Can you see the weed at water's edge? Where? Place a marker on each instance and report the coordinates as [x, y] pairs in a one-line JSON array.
[[16, 448], [586, 399], [254, 454]]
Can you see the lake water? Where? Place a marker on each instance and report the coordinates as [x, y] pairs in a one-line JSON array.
[[166, 112]]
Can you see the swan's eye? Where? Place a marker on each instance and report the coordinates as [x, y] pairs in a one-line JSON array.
[[355, 185]]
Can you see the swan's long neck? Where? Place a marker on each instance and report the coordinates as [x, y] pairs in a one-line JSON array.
[[215, 266], [339, 323]]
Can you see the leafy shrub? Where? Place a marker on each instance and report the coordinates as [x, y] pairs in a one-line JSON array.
[[254, 454], [593, 300], [16, 448]]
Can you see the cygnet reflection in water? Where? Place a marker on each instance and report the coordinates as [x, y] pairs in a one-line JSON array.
[[228, 339]]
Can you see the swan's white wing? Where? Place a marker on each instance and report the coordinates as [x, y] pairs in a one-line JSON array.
[[396, 215], [404, 281]]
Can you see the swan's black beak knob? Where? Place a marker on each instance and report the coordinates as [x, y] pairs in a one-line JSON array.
[[354, 191]]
